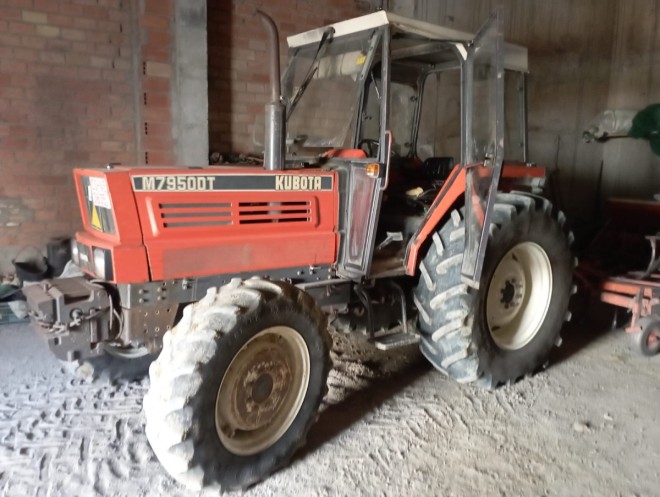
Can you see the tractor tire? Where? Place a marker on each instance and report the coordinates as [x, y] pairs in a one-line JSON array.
[[238, 384], [507, 329]]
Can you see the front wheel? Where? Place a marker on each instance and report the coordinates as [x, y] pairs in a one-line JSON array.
[[506, 329], [238, 384]]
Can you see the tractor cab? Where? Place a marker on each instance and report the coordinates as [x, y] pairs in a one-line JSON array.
[[394, 105]]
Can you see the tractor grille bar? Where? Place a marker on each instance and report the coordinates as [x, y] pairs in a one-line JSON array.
[[273, 212], [188, 215]]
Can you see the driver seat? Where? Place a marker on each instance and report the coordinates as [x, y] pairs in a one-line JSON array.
[[436, 168]]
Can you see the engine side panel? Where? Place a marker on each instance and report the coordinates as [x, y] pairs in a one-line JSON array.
[[217, 220]]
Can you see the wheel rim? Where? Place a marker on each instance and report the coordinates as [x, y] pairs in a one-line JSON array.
[[262, 390], [519, 295]]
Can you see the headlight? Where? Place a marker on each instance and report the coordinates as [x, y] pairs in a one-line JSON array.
[[99, 263], [75, 253], [102, 263]]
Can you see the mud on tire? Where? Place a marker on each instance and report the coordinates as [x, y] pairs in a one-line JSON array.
[[456, 335], [197, 356]]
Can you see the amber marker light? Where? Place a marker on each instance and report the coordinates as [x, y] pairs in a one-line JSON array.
[[373, 169]]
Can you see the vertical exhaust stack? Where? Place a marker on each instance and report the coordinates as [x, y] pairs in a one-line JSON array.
[[274, 152]]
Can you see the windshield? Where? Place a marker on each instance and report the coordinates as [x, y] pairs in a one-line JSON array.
[[402, 105], [324, 114]]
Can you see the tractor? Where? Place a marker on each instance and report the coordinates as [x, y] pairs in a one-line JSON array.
[[396, 200]]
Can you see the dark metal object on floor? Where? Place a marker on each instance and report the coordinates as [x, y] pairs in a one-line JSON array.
[[30, 268], [58, 254]]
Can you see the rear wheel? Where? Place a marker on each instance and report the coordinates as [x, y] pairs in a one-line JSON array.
[[238, 384], [506, 329]]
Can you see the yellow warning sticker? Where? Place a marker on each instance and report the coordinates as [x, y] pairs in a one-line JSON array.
[[96, 220], [361, 60]]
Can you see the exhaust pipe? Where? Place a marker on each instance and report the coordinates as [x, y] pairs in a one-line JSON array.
[[275, 130]]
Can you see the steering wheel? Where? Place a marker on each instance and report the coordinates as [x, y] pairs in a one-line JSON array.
[[371, 148]]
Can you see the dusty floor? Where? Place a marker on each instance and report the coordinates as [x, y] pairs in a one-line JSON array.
[[586, 426]]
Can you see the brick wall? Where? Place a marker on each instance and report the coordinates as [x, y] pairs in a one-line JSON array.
[[238, 59], [154, 81], [82, 82]]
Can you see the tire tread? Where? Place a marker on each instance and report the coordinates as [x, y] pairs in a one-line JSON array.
[[447, 311], [176, 378]]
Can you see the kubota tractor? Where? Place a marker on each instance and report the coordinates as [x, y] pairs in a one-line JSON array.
[[385, 205]]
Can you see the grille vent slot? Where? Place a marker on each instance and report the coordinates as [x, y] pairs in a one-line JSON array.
[[184, 215], [273, 212]]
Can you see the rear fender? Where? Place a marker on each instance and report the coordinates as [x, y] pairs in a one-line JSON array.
[[451, 196]]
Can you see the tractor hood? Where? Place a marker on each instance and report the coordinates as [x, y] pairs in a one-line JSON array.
[[191, 222]]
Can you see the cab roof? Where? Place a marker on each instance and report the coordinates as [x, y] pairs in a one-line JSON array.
[[515, 56]]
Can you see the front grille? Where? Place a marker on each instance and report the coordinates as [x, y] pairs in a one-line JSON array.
[[185, 215]]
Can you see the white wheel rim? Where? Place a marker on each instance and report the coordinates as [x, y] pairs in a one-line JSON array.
[[262, 390], [519, 295]]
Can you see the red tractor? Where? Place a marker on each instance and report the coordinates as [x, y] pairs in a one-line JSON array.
[[385, 205]]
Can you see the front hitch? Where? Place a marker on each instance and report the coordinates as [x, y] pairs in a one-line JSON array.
[[73, 314]]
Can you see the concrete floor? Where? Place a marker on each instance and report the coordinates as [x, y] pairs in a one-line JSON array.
[[586, 426]]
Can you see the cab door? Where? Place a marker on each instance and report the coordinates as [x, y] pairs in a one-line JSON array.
[[483, 139], [365, 185], [364, 193]]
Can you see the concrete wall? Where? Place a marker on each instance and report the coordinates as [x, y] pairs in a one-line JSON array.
[[238, 59], [190, 105], [631, 169], [585, 56], [170, 81]]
